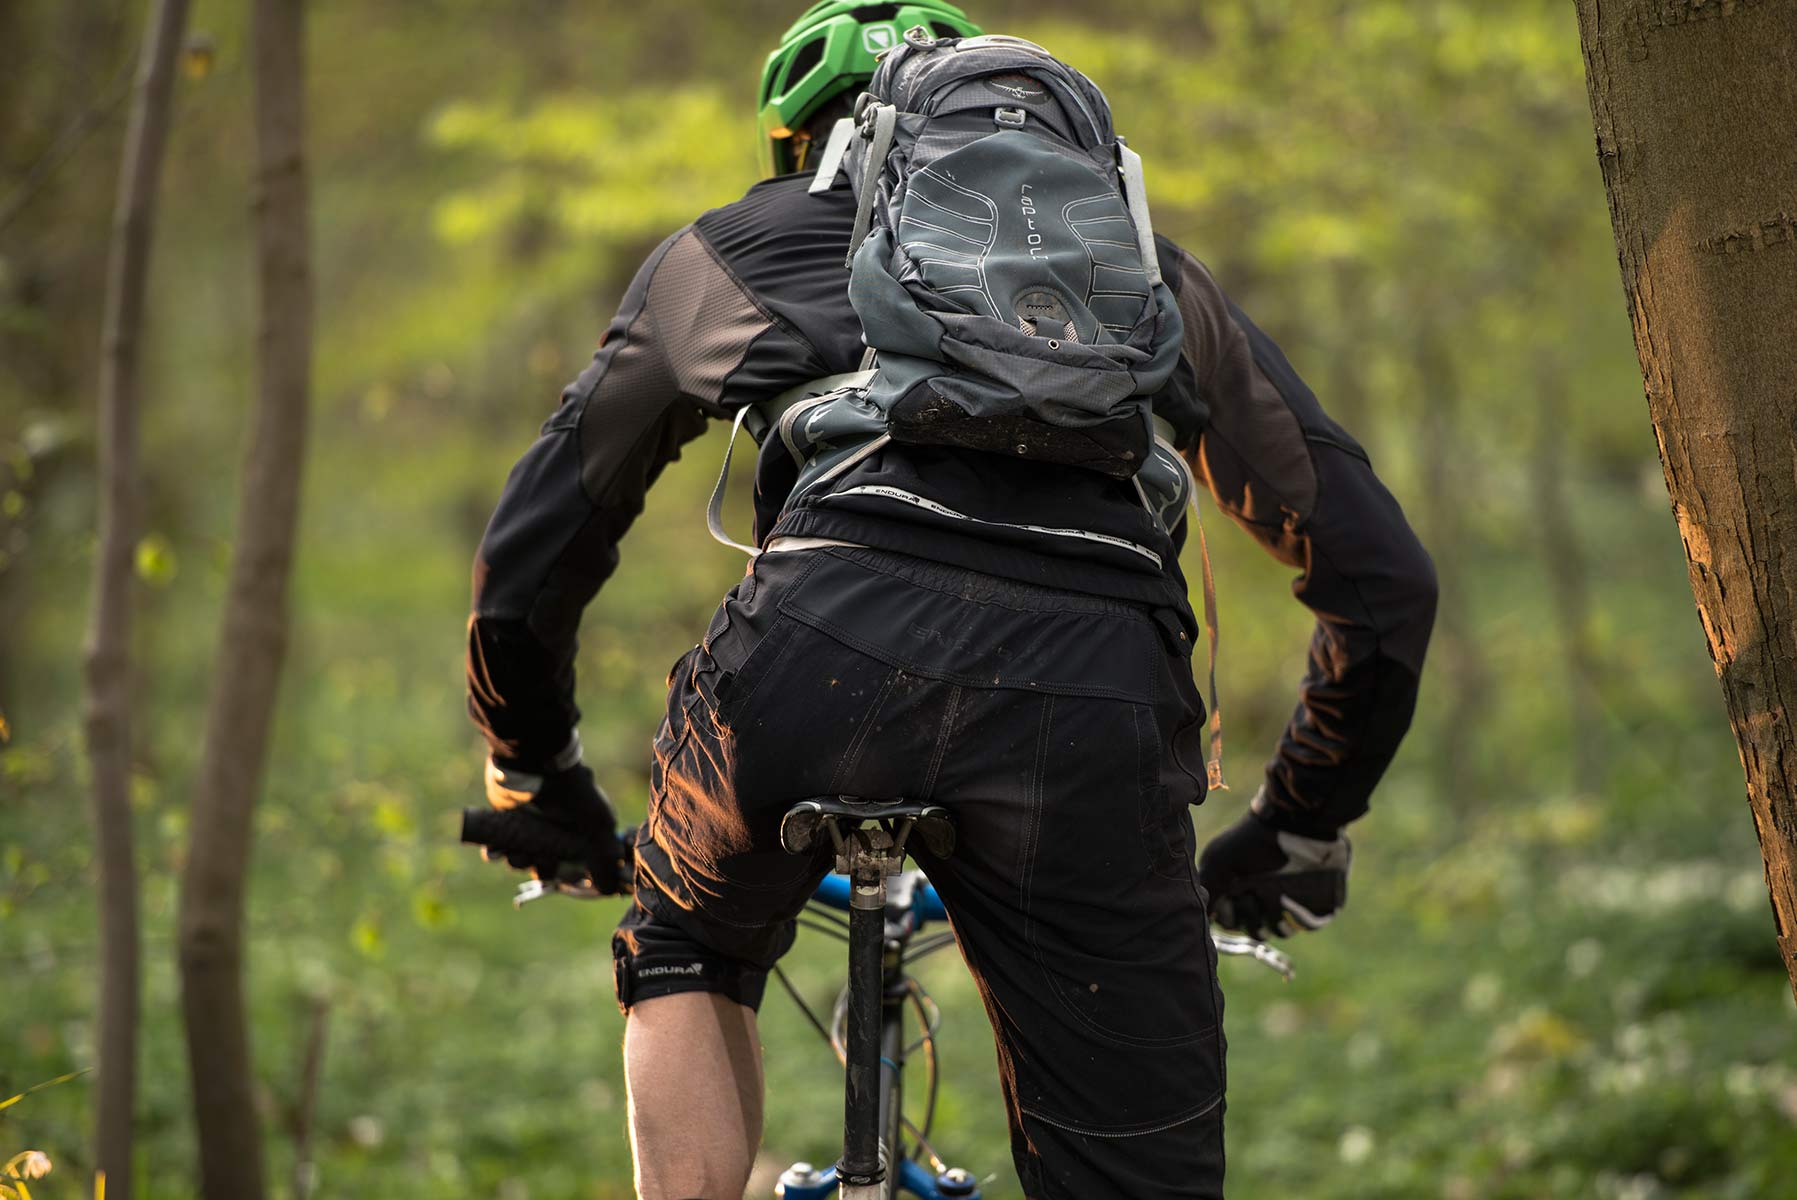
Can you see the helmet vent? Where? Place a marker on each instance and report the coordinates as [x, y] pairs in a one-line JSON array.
[[807, 57]]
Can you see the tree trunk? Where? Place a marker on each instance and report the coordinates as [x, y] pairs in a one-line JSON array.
[[109, 632], [253, 639], [1563, 558], [1460, 661], [1694, 104]]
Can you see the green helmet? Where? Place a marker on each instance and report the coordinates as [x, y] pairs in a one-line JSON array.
[[831, 50]]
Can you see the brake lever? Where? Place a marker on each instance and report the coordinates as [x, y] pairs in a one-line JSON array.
[[1243, 946], [573, 881], [536, 889]]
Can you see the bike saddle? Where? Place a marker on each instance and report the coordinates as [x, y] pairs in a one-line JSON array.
[[800, 827]]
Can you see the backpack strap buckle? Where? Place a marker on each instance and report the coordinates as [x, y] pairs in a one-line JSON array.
[[1010, 117], [918, 37]]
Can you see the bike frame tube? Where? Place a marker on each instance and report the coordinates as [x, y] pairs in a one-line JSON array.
[[894, 989]]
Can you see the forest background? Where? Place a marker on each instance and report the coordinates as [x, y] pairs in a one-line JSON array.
[[1557, 975]]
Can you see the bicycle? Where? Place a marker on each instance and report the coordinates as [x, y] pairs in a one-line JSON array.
[[888, 907]]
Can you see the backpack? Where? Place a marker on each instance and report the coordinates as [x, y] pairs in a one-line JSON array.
[[1003, 268]]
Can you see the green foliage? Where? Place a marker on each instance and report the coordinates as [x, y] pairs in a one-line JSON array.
[[1548, 983], [605, 173]]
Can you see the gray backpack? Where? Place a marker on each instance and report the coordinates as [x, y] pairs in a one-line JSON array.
[[1004, 270]]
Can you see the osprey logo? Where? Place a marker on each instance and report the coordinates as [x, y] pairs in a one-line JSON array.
[[877, 39], [1020, 86], [1028, 204]]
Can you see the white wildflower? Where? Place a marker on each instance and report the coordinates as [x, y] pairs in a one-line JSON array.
[[366, 1131], [1482, 993], [1357, 1145], [1583, 957], [1281, 1019], [30, 1164]]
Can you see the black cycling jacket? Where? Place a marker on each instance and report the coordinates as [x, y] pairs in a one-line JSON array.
[[752, 299]]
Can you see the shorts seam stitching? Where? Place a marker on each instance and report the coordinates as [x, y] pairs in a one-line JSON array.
[[851, 757], [945, 733], [1100, 1131]]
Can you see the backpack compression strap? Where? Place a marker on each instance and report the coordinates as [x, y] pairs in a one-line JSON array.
[[883, 119], [1135, 195]]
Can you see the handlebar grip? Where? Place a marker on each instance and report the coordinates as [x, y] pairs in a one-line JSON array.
[[520, 833]]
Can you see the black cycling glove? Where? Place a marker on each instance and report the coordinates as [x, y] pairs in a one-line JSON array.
[[1263, 881], [559, 817]]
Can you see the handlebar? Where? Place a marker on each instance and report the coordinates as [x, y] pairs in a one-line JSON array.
[[522, 838], [518, 834], [926, 906]]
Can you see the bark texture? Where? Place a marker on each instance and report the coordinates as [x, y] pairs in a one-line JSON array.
[[1695, 105], [254, 634], [108, 660]]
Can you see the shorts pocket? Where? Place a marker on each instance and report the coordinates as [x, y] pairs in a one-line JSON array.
[[1164, 826], [727, 678], [1110, 912]]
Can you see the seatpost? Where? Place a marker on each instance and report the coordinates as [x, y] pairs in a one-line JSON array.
[[869, 854]]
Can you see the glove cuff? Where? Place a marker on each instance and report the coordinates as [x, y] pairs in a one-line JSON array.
[[1271, 814], [510, 784]]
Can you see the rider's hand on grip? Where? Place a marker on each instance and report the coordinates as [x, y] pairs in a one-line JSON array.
[[1263, 881], [539, 823]]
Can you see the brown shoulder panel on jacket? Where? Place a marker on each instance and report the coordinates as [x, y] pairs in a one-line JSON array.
[[1253, 454]]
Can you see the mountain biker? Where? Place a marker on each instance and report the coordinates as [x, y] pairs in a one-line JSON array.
[[1009, 638]]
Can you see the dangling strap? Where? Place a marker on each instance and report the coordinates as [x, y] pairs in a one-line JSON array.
[[830, 165], [714, 512], [1213, 763], [1135, 194], [880, 142], [775, 414]]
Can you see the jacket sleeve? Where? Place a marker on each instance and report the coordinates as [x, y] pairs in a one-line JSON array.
[[689, 343], [1305, 490]]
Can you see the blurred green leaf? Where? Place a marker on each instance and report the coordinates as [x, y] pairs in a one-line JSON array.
[[366, 936], [156, 564]]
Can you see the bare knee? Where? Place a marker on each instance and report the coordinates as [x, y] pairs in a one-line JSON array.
[[692, 1062]]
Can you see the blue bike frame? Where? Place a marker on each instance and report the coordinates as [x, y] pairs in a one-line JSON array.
[[913, 1180], [926, 905]]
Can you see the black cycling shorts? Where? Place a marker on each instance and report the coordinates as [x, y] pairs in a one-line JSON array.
[[1064, 732]]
